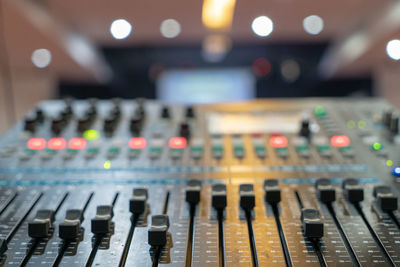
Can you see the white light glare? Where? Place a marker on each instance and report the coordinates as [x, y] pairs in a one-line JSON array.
[[170, 28], [120, 29], [262, 26], [41, 58], [393, 49], [313, 24]]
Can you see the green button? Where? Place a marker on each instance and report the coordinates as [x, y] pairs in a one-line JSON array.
[[29, 151], [93, 150], [114, 150], [156, 149], [320, 111], [238, 149], [51, 151], [301, 148], [217, 149], [259, 149], [345, 148], [281, 149], [196, 149], [176, 151], [72, 151], [322, 148]]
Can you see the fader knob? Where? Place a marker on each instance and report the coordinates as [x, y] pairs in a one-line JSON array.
[[157, 235], [39, 227], [193, 189], [325, 191], [165, 114], [137, 204], [305, 128], [184, 130], [352, 191], [247, 196], [313, 227], [189, 114], [219, 196], [57, 125], [101, 224], [39, 115], [385, 198], [272, 191], [71, 227], [135, 125], [387, 117], [30, 124]]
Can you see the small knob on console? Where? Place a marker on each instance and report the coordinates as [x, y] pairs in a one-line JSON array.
[[157, 235], [387, 201], [352, 191], [39, 227], [272, 191], [325, 191], [247, 196], [137, 204], [193, 189], [218, 196], [101, 223], [313, 227], [71, 227]]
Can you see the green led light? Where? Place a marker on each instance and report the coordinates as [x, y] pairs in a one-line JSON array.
[[389, 163], [362, 124], [351, 124], [320, 111], [377, 146], [107, 164], [91, 134]]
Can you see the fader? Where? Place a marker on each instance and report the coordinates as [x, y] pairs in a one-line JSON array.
[[305, 182]]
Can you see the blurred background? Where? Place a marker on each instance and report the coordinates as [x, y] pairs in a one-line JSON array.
[[197, 51]]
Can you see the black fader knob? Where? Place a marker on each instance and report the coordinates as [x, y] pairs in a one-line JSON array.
[[40, 225], [71, 227], [387, 117], [137, 204], [247, 196], [189, 113], [313, 226], [352, 190], [165, 113], [101, 223], [30, 124], [184, 130], [157, 235], [387, 201], [272, 191], [218, 196], [193, 189], [305, 128], [394, 124], [325, 191]]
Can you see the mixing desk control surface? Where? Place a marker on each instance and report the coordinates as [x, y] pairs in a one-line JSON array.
[[306, 182]]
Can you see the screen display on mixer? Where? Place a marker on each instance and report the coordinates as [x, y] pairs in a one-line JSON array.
[[206, 86]]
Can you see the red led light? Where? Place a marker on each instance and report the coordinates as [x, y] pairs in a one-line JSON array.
[[177, 142], [137, 143], [57, 143], [77, 143], [36, 143], [278, 141], [340, 141]]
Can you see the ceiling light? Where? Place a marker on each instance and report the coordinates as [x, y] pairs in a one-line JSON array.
[[262, 26], [215, 47], [41, 58], [393, 49], [218, 14], [120, 29], [313, 24], [170, 28]]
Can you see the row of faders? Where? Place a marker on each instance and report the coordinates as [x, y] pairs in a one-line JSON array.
[[203, 225]]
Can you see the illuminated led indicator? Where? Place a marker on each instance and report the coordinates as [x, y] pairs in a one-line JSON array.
[[351, 124], [36, 143], [56, 143], [177, 142], [77, 143], [396, 171], [340, 141], [278, 141], [389, 163], [107, 164], [91, 134], [377, 146], [320, 111], [362, 124], [137, 143]]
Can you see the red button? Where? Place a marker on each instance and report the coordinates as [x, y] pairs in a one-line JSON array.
[[278, 141], [77, 143], [137, 143], [57, 143], [177, 142], [340, 141], [36, 143]]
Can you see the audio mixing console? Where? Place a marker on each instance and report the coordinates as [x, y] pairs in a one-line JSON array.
[[305, 182]]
